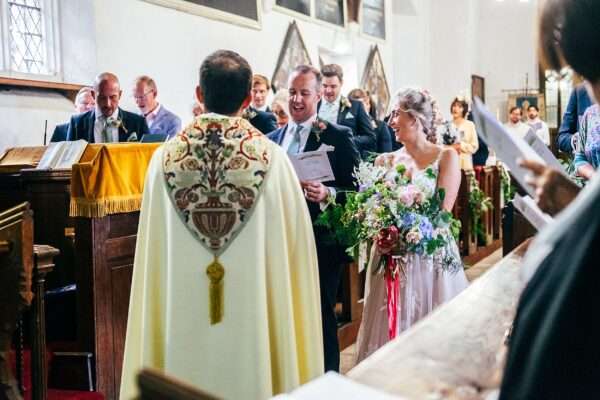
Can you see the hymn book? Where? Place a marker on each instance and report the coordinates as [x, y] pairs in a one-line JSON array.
[[17, 158], [62, 155]]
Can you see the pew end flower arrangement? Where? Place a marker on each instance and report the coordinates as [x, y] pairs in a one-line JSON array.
[[397, 215]]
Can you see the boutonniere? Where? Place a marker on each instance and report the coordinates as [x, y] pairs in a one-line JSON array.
[[318, 126], [116, 123], [249, 114], [345, 103]]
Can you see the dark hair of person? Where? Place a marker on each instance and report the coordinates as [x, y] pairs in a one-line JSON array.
[[331, 70], [569, 32], [309, 69], [226, 81], [513, 108], [534, 107], [360, 94], [461, 102]]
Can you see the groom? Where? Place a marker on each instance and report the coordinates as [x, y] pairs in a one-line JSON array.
[[305, 132]]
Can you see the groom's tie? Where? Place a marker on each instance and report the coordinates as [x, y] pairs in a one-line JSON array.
[[294, 147]]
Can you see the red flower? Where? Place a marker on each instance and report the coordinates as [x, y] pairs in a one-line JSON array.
[[387, 239]]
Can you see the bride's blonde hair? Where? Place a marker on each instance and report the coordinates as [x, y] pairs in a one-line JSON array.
[[420, 105]]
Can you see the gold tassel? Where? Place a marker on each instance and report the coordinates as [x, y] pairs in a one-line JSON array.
[[215, 272]]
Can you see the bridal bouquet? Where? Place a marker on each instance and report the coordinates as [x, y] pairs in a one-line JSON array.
[[399, 215]]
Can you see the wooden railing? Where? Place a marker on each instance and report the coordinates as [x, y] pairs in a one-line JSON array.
[[472, 247]]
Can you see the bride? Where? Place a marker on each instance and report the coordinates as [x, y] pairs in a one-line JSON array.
[[423, 283]]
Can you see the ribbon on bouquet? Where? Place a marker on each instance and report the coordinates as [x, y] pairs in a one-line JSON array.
[[392, 285]]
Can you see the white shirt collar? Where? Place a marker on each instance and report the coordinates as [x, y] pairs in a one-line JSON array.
[[306, 124], [263, 108], [335, 102]]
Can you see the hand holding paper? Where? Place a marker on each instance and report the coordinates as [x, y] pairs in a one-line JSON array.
[[553, 190], [313, 166]]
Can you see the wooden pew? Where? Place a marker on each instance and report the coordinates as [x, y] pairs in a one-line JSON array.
[[454, 348], [16, 267], [23, 269], [157, 386]]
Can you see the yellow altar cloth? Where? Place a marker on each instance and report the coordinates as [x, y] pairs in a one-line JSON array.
[[109, 179]]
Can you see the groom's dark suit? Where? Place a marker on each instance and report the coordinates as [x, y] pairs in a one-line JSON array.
[[82, 126], [343, 158], [359, 122]]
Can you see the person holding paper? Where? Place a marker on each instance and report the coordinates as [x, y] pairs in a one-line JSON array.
[[553, 350], [307, 132], [425, 283]]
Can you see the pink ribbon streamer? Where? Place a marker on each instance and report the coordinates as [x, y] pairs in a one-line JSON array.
[[392, 285]]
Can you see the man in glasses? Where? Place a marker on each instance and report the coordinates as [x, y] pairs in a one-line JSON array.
[[107, 122], [159, 119]]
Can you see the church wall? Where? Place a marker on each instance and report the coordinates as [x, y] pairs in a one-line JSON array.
[[24, 112], [133, 37], [507, 50]]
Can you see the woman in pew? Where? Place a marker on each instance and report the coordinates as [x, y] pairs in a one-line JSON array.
[[554, 351]]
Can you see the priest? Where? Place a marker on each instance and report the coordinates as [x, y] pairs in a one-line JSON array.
[[225, 290]]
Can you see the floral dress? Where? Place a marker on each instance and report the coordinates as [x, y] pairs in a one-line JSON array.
[[588, 148], [423, 283]]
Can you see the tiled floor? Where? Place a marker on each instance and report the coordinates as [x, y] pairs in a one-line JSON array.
[[348, 356]]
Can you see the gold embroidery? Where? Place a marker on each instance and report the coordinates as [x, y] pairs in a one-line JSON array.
[[214, 172]]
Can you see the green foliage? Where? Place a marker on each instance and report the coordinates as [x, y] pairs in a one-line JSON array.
[[479, 203], [508, 190]]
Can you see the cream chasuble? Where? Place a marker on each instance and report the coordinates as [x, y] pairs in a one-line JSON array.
[[268, 339]]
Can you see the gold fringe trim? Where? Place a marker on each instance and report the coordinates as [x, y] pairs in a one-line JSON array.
[[81, 207]]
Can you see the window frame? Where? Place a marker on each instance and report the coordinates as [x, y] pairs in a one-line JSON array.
[[50, 27]]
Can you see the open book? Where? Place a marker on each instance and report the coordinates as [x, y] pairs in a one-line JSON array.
[[62, 155]]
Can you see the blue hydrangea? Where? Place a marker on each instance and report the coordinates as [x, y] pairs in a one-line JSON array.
[[426, 228]]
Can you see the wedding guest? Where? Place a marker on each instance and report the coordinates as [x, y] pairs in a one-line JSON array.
[[258, 112], [280, 108], [84, 101], [587, 155], [539, 127], [515, 125], [107, 122], [337, 109], [579, 101], [385, 135], [305, 132], [553, 349], [427, 282], [260, 92], [159, 119], [468, 142]]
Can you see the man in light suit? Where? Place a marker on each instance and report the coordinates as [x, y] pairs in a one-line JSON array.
[[306, 132], [159, 119], [107, 122], [84, 101], [340, 110]]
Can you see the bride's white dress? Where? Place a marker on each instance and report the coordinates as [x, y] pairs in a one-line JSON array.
[[423, 286]]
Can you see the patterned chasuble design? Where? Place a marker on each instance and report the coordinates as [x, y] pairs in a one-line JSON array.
[[214, 172]]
